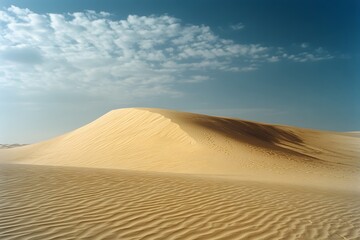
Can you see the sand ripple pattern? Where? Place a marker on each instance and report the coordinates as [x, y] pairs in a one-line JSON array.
[[38, 202]]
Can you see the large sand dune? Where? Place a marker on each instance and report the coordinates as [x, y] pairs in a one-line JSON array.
[[169, 141], [160, 174]]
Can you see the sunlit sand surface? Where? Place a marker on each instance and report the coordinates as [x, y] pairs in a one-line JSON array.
[[39, 202], [159, 174]]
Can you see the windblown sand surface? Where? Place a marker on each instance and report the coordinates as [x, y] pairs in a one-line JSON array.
[[39, 202], [221, 178]]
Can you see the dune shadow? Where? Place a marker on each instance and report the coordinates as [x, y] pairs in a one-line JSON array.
[[270, 137]]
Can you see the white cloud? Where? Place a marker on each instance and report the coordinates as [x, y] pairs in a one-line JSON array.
[[90, 51], [304, 45], [197, 79], [21, 54], [237, 27], [138, 56], [274, 59], [318, 54], [306, 54]]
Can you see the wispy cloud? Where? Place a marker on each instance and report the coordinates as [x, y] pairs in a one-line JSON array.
[[314, 55], [237, 27], [92, 52], [304, 45], [301, 53], [197, 79]]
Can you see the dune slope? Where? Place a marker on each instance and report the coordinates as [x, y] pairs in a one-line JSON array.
[[169, 141]]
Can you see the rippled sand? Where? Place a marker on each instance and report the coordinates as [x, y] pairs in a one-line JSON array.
[[41, 202]]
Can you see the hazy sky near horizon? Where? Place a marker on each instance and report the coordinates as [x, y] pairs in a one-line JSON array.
[[65, 63]]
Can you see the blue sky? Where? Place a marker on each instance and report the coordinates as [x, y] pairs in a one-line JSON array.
[[65, 63]]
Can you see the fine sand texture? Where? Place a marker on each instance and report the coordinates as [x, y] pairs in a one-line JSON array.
[[42, 202], [142, 173]]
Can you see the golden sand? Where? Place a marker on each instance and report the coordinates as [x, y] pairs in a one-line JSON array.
[[160, 174]]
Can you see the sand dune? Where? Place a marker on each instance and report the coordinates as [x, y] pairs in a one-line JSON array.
[[159, 174], [169, 141], [39, 202], [6, 146]]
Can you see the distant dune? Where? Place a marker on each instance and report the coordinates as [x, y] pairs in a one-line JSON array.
[[158, 174], [6, 146]]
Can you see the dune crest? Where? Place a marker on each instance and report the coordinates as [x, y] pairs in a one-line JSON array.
[[177, 142]]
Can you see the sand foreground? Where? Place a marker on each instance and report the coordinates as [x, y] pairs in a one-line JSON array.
[[41, 202], [160, 174]]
